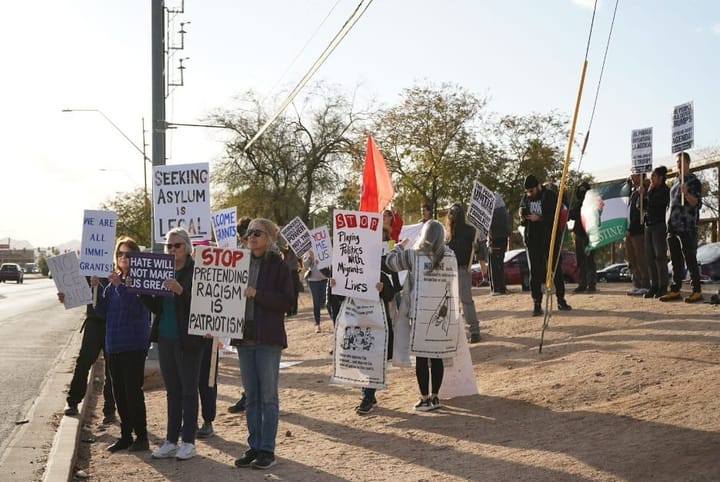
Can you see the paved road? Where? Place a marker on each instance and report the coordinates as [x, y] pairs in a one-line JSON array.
[[36, 332]]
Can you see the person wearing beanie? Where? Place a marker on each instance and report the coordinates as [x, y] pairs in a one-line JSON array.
[[537, 214]]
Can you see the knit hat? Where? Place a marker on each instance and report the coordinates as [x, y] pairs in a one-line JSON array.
[[531, 181]]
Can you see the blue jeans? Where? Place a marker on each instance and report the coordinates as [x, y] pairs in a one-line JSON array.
[[180, 370], [318, 290], [260, 370]]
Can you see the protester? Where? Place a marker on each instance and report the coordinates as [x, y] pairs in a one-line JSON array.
[[635, 237], [93, 342], [269, 294], [425, 213], [537, 214], [497, 243], [127, 332], [583, 254], [460, 237], [428, 371], [656, 200], [685, 204], [317, 281]]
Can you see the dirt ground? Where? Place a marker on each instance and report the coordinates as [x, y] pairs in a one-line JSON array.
[[625, 389]]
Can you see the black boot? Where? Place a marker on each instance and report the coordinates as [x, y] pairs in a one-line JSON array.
[[537, 310]]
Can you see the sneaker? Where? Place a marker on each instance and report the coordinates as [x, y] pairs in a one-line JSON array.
[[475, 338], [365, 407], [167, 451], [71, 409], [186, 451], [563, 306], [120, 444], [264, 460], [670, 296], [537, 310], [317, 328], [435, 403], [634, 292], [694, 297], [205, 431], [238, 406], [423, 405], [248, 458]]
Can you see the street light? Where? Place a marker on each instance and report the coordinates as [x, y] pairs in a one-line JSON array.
[[146, 159]]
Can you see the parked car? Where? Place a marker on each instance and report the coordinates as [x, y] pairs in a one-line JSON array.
[[11, 272], [517, 270], [479, 275], [614, 272]]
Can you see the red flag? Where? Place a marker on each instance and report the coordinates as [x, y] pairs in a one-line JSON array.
[[377, 188]]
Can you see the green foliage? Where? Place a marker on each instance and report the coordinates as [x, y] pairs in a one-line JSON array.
[[43, 266], [133, 216]]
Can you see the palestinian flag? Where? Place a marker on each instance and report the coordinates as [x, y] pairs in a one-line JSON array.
[[604, 213]]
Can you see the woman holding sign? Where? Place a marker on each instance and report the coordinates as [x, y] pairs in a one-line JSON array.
[[268, 297], [429, 371], [127, 328], [179, 353]]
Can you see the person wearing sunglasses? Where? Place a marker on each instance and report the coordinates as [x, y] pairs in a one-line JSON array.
[[179, 353], [127, 332], [268, 297]]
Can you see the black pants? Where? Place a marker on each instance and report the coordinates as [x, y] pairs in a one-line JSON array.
[[683, 251], [537, 257], [208, 394], [127, 370], [587, 271], [497, 266], [93, 342], [295, 277], [422, 373]]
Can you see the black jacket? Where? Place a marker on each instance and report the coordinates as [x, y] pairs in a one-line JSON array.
[[656, 204], [538, 232], [461, 243]]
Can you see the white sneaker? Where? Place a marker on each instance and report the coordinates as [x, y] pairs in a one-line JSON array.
[[167, 450], [186, 451]]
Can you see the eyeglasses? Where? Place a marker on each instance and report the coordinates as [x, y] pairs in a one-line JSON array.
[[123, 254], [174, 245], [256, 233]]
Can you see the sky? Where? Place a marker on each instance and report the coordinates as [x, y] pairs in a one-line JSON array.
[[524, 55]]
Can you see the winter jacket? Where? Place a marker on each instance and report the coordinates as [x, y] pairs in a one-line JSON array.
[[127, 319]]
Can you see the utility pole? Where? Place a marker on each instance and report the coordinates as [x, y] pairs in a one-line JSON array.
[[158, 91]]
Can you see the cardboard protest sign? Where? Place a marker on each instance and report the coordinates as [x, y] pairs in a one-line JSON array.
[[434, 308], [297, 236], [360, 352], [148, 271], [218, 300], [482, 204], [321, 246], [98, 243], [65, 270], [683, 127], [357, 249], [224, 223], [181, 194], [641, 150]]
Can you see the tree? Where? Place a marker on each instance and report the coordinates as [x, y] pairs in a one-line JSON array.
[[297, 164], [133, 218]]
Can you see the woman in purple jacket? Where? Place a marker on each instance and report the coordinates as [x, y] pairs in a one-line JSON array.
[[269, 295]]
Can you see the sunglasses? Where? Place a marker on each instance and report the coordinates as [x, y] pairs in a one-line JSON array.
[[123, 254], [174, 245], [256, 233]]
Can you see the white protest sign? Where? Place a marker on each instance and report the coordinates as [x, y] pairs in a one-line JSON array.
[[435, 308], [411, 232], [321, 246], [297, 236], [218, 300], [641, 150], [181, 194], [683, 127], [148, 271], [98, 243], [224, 223], [360, 353], [65, 270], [482, 204], [357, 249]]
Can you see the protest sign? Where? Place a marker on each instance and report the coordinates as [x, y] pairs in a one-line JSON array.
[[224, 223], [181, 194], [65, 270], [98, 243], [683, 127], [357, 249], [148, 271], [434, 307], [641, 150], [322, 246], [297, 236], [218, 300], [360, 352], [482, 204]]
